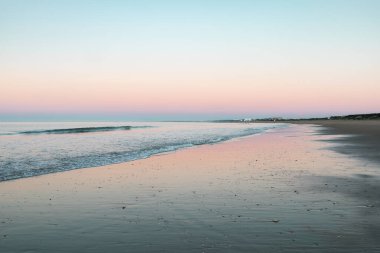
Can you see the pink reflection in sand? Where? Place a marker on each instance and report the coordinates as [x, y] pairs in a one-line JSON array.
[[234, 193]]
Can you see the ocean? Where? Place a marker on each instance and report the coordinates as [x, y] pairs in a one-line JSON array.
[[35, 148]]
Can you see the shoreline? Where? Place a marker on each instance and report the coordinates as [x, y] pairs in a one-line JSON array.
[[168, 151]]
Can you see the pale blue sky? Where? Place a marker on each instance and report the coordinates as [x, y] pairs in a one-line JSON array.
[[198, 46]]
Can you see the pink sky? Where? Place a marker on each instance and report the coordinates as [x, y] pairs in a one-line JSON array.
[[261, 58]]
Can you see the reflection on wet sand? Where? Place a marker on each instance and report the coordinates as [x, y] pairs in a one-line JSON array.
[[276, 192]]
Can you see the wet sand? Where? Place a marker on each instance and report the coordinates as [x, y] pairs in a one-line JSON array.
[[358, 138], [284, 191]]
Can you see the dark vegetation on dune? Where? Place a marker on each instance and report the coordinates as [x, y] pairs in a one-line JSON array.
[[358, 116]]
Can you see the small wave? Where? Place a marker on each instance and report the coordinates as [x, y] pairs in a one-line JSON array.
[[81, 130], [129, 151]]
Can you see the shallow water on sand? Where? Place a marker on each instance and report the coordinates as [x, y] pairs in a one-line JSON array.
[[282, 191], [30, 149]]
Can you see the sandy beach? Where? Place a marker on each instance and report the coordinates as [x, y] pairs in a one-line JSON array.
[[282, 191], [189, 126], [358, 138]]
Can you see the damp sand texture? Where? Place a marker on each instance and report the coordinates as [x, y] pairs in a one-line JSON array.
[[282, 191]]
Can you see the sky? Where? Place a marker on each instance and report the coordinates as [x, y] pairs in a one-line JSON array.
[[198, 59]]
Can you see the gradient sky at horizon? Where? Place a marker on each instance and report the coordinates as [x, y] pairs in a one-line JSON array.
[[189, 59]]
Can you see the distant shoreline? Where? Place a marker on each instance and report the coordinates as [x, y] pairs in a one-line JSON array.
[[360, 137], [368, 116], [361, 132]]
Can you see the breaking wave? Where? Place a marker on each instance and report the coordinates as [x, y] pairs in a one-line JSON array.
[[79, 130]]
